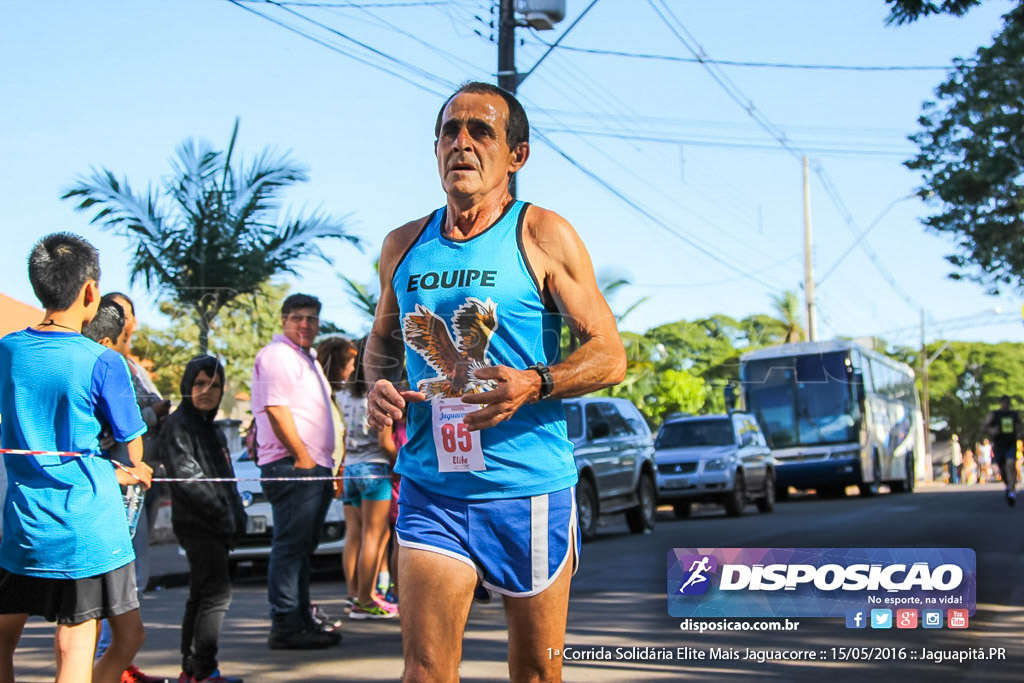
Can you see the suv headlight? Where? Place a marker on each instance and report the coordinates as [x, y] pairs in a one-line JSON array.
[[714, 465]]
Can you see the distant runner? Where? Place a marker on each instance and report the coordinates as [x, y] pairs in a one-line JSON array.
[[1003, 426]]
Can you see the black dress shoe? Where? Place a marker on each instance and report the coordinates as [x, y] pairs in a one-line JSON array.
[[306, 639]]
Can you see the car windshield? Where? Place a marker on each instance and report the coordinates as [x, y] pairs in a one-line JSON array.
[[687, 433], [804, 400]]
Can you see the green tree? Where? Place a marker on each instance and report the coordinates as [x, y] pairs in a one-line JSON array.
[[971, 160], [966, 380], [907, 11], [213, 233], [245, 325], [787, 305]]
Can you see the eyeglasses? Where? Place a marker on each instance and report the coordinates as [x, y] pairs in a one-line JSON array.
[[304, 319]]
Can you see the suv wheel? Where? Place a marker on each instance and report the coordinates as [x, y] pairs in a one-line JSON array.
[[870, 488], [586, 509], [735, 499], [766, 503], [641, 518]]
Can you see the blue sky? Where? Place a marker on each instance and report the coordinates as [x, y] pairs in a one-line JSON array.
[[683, 192]]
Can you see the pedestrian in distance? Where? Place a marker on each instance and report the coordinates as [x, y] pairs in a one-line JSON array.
[[111, 328], [208, 517], [369, 455], [291, 401], [956, 461], [473, 297], [1004, 426], [970, 468], [66, 553], [984, 458]]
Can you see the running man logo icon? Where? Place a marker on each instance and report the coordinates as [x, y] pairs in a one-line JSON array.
[[698, 567]]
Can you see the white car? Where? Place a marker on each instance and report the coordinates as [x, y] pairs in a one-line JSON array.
[[714, 458], [256, 543]]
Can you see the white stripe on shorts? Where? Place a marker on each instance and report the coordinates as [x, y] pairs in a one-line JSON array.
[[539, 540]]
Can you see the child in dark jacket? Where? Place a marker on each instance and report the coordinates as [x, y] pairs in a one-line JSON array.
[[207, 517]]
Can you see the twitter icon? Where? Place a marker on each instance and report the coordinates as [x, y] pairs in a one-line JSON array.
[[881, 618]]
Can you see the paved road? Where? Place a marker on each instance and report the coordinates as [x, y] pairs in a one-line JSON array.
[[619, 601]]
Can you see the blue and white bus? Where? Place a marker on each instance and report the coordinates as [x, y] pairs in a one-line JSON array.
[[836, 414]]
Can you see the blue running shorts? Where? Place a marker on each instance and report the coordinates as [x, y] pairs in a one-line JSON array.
[[366, 481], [518, 546]]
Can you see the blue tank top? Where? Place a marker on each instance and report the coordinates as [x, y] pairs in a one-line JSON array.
[[465, 304]]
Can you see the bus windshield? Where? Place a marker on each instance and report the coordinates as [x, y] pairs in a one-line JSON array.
[[803, 400]]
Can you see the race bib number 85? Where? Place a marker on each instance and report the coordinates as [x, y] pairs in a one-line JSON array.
[[458, 449]]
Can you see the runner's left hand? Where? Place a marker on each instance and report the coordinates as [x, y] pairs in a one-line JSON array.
[[515, 389]]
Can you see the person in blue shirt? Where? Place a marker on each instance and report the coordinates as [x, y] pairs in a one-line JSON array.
[[66, 551], [473, 296]]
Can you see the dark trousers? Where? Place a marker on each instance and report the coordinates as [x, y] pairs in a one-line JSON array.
[[209, 595], [299, 509]]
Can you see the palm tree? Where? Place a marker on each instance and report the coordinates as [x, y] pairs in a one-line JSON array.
[[212, 233], [787, 305]]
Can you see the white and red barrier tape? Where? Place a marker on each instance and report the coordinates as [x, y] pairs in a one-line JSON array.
[[74, 454]]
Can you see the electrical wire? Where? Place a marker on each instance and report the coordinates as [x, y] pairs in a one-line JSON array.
[[762, 65]]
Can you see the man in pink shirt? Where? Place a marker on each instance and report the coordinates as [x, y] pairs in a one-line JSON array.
[[295, 431]]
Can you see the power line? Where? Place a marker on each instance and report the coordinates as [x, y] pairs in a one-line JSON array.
[[726, 62], [405, 65], [741, 99], [647, 214], [723, 142], [357, 5]]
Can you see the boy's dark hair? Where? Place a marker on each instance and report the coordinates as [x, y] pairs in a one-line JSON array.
[[112, 296], [296, 301], [108, 322], [58, 266], [517, 127]]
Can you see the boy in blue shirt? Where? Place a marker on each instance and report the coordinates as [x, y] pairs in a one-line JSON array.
[[66, 553]]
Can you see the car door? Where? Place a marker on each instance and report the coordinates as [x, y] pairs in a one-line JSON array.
[[753, 451], [605, 447]]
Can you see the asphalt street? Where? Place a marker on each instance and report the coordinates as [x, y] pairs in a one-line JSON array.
[[619, 598]]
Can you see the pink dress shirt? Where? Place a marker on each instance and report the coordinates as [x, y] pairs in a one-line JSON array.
[[285, 375]]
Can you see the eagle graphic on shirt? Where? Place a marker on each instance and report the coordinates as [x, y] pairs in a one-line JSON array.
[[454, 359]]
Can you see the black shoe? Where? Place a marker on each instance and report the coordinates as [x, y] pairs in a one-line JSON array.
[[323, 621], [1011, 498], [306, 639]]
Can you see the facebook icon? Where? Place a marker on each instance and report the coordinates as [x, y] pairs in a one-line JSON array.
[[855, 618]]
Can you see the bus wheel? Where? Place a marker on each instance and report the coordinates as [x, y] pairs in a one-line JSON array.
[[871, 488], [906, 485]]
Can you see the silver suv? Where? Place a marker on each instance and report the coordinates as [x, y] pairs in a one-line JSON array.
[[718, 458], [615, 460]]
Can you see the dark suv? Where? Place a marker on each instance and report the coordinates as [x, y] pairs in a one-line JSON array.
[[615, 460]]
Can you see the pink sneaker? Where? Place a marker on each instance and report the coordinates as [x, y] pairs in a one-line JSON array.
[[389, 607]]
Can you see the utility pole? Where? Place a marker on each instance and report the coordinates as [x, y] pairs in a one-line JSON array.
[[508, 78], [812, 316], [926, 403]]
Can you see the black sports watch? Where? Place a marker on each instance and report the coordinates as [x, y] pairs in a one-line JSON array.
[[547, 383]]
